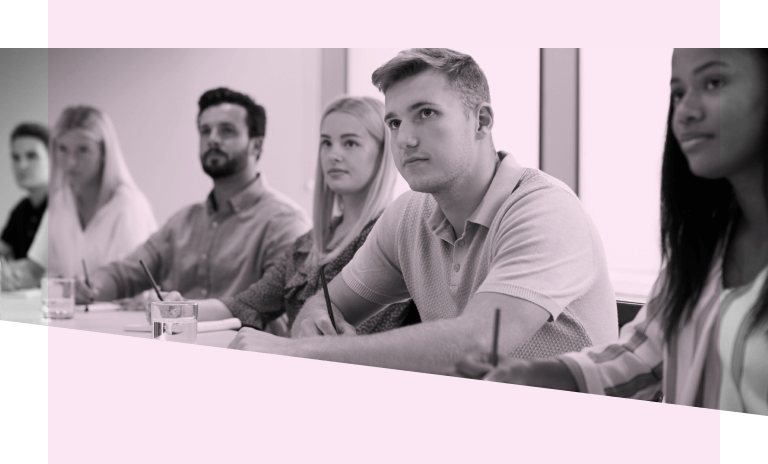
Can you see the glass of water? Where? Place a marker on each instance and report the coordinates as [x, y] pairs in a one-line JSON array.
[[174, 321], [58, 297]]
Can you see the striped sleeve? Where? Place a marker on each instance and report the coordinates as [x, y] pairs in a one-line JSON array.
[[631, 367]]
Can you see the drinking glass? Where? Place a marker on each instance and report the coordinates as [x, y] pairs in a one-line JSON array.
[[58, 297], [174, 321]]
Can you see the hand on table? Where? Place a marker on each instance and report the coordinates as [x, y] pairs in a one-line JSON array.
[[477, 365], [142, 301], [318, 323], [248, 339]]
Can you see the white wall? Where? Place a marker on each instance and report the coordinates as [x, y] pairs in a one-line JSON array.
[[23, 98], [151, 96], [624, 103], [513, 79]]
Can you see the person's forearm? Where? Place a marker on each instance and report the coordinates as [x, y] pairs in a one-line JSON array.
[[104, 286], [23, 273], [430, 347], [549, 373], [212, 310]]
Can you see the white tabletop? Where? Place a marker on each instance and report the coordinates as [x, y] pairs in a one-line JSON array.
[[26, 307]]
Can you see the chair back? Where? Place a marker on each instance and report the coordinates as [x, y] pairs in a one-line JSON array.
[[627, 311]]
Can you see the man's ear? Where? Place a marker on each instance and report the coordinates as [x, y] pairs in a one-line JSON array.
[[255, 146], [484, 120]]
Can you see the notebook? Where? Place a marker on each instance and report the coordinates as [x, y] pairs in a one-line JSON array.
[[99, 306], [202, 327]]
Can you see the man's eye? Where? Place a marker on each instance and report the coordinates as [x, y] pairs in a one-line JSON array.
[[427, 112], [394, 124]]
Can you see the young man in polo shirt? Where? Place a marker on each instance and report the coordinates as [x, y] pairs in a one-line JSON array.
[[479, 232]]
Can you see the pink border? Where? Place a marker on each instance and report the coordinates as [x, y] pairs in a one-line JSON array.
[[406, 23], [118, 399], [123, 399]]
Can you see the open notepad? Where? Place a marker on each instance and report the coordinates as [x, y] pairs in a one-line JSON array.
[[100, 306], [208, 326]]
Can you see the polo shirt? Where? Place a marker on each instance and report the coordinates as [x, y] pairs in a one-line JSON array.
[[529, 238]]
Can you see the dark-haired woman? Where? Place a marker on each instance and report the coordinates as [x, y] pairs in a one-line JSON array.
[[702, 339]]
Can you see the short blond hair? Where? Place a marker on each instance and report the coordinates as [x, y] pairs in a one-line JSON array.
[[464, 74]]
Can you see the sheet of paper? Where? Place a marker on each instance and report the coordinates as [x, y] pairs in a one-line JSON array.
[[25, 294]]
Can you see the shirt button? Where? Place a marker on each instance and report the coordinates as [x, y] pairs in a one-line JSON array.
[[456, 267], [215, 224], [204, 256], [460, 243], [204, 292]]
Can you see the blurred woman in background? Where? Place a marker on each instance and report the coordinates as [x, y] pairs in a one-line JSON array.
[[97, 213]]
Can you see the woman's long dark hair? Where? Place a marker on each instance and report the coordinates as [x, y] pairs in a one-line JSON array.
[[695, 217]]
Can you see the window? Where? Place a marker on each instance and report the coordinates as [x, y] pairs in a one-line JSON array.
[[623, 109]]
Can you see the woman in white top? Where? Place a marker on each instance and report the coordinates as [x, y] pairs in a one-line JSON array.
[[702, 339], [97, 213]]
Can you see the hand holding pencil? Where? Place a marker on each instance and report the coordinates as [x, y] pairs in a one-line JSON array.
[[321, 320], [85, 292]]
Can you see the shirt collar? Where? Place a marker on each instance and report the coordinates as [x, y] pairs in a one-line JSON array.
[[505, 178], [508, 174], [246, 197]]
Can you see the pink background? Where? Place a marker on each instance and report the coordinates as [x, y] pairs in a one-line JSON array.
[[118, 399]]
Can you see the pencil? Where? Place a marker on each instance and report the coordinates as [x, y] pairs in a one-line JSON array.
[[327, 299], [495, 347], [87, 281], [151, 280]]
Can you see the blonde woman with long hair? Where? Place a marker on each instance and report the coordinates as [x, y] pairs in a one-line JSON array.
[[356, 176], [97, 213]]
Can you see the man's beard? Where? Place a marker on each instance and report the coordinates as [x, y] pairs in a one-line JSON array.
[[232, 165]]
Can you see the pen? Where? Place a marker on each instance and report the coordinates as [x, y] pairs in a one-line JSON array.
[[151, 280], [495, 347], [87, 281], [327, 299]]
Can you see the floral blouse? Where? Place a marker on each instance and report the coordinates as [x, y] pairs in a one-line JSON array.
[[285, 288]]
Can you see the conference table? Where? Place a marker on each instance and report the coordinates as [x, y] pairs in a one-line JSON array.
[[26, 307]]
